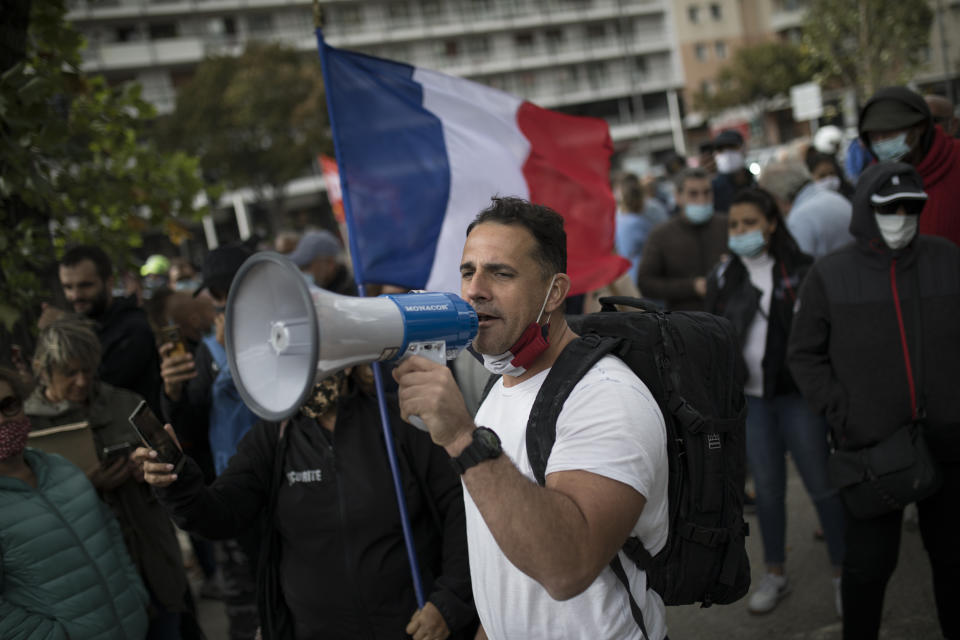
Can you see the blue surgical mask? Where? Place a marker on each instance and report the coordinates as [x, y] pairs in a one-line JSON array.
[[747, 245], [892, 149], [698, 213]]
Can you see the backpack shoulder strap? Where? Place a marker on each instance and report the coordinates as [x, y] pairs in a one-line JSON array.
[[571, 365]]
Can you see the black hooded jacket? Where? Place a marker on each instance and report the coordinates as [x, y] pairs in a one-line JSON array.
[[858, 315], [335, 542], [731, 295], [129, 359]]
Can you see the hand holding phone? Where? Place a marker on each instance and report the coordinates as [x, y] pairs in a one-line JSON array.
[[150, 430], [114, 452], [171, 334]]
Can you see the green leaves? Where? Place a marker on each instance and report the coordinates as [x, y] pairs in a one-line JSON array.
[[257, 120], [75, 162], [755, 74], [867, 44]]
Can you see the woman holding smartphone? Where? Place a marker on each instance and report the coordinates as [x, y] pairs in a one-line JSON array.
[[318, 488], [65, 361]]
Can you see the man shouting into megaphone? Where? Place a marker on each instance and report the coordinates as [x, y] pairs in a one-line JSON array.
[[539, 555]]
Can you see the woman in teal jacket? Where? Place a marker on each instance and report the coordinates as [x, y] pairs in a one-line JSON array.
[[64, 569]]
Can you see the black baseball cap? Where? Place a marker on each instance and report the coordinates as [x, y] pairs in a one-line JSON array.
[[728, 138], [220, 265], [900, 186]]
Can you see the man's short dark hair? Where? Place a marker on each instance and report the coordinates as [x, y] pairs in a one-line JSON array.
[[543, 223], [78, 253], [694, 173]]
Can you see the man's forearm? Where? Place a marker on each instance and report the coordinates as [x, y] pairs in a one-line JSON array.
[[541, 531]]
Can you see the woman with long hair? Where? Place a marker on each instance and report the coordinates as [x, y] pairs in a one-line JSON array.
[[755, 287]]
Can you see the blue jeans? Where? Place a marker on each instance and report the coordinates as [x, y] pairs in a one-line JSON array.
[[777, 426]]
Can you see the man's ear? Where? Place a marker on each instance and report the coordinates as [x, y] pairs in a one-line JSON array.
[[558, 292]]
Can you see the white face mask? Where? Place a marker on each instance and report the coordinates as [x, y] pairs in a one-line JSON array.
[[729, 161], [530, 345], [830, 182], [897, 231]]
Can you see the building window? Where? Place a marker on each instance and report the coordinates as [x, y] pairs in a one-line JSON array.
[[701, 52], [126, 33], [431, 9], [596, 32], [554, 39], [626, 29], [597, 74], [163, 30], [721, 49], [527, 81], [399, 13], [350, 16], [480, 8], [399, 51], [449, 48], [640, 65], [706, 87], [716, 11], [222, 26], [523, 41], [478, 46], [693, 12], [260, 23]]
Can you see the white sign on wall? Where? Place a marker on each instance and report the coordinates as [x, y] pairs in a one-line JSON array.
[[807, 101]]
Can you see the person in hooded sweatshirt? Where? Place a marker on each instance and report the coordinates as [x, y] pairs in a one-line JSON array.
[[874, 346], [896, 125], [130, 359]]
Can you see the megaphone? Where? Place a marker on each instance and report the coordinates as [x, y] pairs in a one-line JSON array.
[[283, 335]]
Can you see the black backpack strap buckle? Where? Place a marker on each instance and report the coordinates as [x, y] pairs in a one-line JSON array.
[[708, 537], [635, 550], [688, 417]]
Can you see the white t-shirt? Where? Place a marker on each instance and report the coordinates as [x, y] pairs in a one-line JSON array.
[[760, 270], [611, 426]]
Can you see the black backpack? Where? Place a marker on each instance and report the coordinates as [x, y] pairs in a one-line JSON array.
[[692, 365]]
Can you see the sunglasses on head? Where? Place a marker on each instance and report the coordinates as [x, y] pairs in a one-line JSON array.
[[10, 406], [910, 207]]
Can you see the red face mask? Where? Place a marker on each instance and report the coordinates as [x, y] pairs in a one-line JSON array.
[[532, 342], [13, 437]]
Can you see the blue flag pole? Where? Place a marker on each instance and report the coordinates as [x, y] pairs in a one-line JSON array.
[[377, 372]]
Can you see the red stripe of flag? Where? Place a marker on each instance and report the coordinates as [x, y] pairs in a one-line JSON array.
[[568, 170]]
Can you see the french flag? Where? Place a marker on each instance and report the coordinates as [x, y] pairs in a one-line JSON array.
[[421, 153]]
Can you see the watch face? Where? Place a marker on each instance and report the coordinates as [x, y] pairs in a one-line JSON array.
[[488, 438]]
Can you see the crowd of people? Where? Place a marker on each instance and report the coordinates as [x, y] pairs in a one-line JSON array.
[[840, 287]]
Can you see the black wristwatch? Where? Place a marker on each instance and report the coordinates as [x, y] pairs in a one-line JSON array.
[[485, 446]]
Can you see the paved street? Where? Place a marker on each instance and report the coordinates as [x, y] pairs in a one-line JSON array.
[[806, 614]]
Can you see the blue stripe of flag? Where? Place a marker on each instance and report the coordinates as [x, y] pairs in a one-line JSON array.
[[393, 166]]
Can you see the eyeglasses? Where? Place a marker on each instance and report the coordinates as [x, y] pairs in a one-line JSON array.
[[11, 406], [910, 207]]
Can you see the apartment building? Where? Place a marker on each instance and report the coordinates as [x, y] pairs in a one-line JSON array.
[[614, 59]]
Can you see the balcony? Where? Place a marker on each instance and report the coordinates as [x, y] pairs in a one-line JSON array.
[[134, 55], [509, 59], [375, 28]]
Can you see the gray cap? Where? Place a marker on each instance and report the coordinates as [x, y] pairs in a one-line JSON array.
[[313, 245]]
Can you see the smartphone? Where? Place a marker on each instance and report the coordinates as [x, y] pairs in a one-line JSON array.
[[110, 455], [171, 333], [150, 430]]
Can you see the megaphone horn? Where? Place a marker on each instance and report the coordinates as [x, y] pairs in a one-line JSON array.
[[284, 334]]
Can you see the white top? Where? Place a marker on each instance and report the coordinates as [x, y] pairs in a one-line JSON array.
[[611, 426], [760, 269]]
